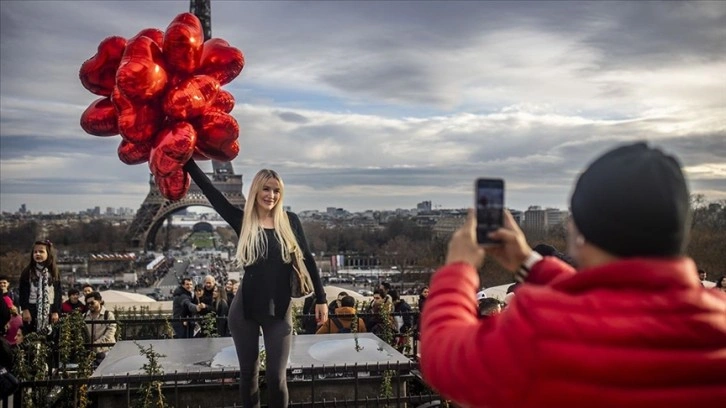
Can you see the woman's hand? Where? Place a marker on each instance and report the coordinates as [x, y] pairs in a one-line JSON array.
[[321, 313], [26, 316]]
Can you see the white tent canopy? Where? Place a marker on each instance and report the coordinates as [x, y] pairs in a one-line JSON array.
[[498, 292], [117, 296]]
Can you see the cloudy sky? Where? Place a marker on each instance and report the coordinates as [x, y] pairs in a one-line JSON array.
[[382, 105]]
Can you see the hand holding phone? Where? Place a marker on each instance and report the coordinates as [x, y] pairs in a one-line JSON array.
[[489, 204]]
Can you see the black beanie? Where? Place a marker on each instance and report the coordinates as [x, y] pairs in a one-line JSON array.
[[633, 201]]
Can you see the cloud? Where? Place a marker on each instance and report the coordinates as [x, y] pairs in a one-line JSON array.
[[385, 104]]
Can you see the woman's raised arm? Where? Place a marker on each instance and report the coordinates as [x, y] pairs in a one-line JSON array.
[[224, 208]]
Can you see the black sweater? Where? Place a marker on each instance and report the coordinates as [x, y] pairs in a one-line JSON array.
[[24, 297], [266, 283]]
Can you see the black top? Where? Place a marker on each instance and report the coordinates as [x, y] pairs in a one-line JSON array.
[[263, 293], [183, 304], [24, 297]]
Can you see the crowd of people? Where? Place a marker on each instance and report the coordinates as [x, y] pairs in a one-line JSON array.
[[190, 301], [38, 307]]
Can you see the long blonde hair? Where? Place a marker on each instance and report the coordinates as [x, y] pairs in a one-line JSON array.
[[252, 243]]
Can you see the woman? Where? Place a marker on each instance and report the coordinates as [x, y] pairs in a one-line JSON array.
[[221, 309], [422, 298], [268, 238], [721, 283]]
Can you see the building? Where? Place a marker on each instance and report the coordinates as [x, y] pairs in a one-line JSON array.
[[449, 222], [518, 216], [535, 219], [554, 217], [110, 264], [424, 206]]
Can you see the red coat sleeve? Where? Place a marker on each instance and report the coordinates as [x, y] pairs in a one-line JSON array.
[[473, 361]]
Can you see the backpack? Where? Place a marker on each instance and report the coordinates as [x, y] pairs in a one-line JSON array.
[[339, 325]]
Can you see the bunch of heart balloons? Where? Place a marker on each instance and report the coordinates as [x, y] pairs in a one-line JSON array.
[[161, 91]]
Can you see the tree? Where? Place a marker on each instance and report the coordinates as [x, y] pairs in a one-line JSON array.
[[12, 263]]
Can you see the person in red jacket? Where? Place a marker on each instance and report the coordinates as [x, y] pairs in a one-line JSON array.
[[73, 303], [633, 327]]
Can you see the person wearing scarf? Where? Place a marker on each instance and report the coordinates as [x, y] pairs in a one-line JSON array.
[[40, 289]]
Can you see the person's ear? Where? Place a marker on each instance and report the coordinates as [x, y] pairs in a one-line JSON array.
[[579, 240]]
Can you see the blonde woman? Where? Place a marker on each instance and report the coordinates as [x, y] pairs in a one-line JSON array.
[[268, 238]]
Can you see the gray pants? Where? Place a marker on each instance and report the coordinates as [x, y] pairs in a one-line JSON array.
[[277, 335]]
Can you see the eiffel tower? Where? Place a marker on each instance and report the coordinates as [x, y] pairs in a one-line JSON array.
[[156, 209]]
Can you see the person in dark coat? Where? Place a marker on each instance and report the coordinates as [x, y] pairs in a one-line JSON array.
[[221, 309], [183, 306]]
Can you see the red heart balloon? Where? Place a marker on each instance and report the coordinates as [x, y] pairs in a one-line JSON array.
[[98, 73], [161, 165], [155, 34], [141, 74], [137, 123], [173, 147], [221, 61], [174, 186], [215, 130], [164, 97], [131, 153], [183, 42], [226, 153], [191, 97], [224, 102], [100, 119]]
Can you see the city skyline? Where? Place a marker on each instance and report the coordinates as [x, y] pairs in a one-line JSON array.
[[196, 209], [381, 105]]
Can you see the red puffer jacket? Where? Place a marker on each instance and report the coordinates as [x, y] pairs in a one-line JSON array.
[[635, 333]]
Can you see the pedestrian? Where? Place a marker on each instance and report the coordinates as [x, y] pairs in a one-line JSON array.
[[221, 309], [40, 289], [269, 241], [632, 328]]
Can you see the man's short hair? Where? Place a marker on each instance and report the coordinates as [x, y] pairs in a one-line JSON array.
[[347, 301], [73, 291], [386, 286], [488, 305], [87, 285], [4, 277], [94, 295], [394, 295], [342, 294]]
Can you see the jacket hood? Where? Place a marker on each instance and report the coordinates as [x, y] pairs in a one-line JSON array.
[[345, 313]]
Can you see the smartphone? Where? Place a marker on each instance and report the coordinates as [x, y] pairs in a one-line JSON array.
[[489, 195]]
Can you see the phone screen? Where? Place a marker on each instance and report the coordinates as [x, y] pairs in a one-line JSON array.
[[489, 208]]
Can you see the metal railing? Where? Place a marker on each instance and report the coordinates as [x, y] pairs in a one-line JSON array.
[[153, 328], [308, 387], [409, 389]]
